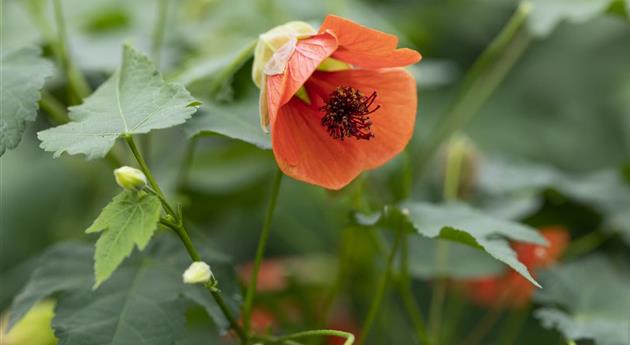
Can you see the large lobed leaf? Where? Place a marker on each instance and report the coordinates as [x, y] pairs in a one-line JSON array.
[[134, 100], [129, 220], [587, 299], [22, 73], [140, 304], [64, 267], [463, 224]]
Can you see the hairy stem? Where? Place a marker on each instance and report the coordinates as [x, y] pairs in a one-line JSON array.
[[260, 251]]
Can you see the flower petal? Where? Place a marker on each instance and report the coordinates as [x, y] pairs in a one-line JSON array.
[[393, 123], [308, 54], [365, 47], [305, 151]]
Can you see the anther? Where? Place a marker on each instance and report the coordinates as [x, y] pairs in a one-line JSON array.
[[347, 111]]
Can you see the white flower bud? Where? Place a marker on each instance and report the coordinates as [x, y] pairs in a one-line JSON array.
[[130, 178], [197, 272]]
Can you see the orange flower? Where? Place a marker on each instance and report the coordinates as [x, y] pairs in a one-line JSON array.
[[337, 101], [272, 275], [511, 289]]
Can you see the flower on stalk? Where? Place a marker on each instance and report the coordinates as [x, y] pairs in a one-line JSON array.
[[197, 273], [336, 101], [130, 178], [511, 289]]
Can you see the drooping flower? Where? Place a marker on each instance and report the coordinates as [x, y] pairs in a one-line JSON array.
[[337, 101], [511, 289]]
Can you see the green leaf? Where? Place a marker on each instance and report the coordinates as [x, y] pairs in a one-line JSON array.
[[23, 73], [582, 307], [547, 14], [63, 267], [464, 262], [139, 305], [237, 120], [134, 100], [130, 219], [462, 224]]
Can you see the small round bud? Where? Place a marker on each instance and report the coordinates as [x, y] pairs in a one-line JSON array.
[[130, 178], [197, 273]]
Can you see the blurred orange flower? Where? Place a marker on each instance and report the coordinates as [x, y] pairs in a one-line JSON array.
[[511, 289], [337, 102]]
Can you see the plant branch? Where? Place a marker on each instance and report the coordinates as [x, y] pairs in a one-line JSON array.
[[174, 221], [481, 81], [260, 251]]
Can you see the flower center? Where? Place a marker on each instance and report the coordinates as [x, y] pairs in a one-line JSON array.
[[347, 111]]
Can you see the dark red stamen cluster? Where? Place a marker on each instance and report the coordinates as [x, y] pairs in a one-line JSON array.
[[347, 111]]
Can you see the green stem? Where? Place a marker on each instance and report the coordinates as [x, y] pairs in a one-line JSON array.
[[380, 290], [176, 223], [189, 155], [483, 326], [482, 79], [407, 296], [315, 333], [586, 243], [147, 172], [438, 295], [158, 32], [55, 110], [76, 81], [260, 251], [514, 326]]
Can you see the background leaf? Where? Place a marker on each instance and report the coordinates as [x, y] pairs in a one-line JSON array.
[[460, 223], [237, 120], [130, 219], [66, 266], [134, 100], [587, 299], [139, 306], [546, 14], [23, 73]]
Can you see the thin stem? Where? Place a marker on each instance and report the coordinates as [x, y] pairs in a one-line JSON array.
[[407, 296], [189, 155], [482, 79], [55, 110], [158, 32], [147, 172], [260, 251], [587, 243], [175, 222], [76, 81], [483, 326], [438, 295], [380, 290], [316, 333], [514, 326]]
